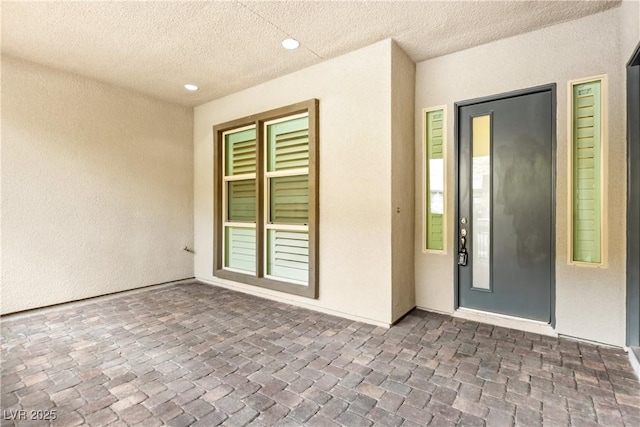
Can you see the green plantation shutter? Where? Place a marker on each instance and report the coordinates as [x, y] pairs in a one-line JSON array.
[[240, 152], [240, 248], [288, 255], [240, 159], [288, 144], [435, 220], [242, 200], [287, 150], [289, 200], [587, 191]]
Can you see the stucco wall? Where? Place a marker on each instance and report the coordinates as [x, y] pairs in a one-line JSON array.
[[403, 76], [97, 188], [589, 301], [355, 178], [629, 27]]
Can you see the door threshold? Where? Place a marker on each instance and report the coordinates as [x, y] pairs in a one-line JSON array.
[[505, 321]]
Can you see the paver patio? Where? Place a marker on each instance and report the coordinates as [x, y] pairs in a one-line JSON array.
[[201, 355]]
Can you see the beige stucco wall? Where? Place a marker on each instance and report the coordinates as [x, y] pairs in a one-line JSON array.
[[403, 75], [590, 302], [355, 178], [97, 188]]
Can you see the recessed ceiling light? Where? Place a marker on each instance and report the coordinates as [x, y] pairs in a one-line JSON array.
[[290, 44], [191, 87]]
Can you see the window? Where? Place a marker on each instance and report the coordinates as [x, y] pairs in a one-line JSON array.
[[587, 172], [266, 204], [433, 179], [239, 195]]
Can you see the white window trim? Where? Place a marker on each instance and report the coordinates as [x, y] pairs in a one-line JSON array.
[[285, 119]]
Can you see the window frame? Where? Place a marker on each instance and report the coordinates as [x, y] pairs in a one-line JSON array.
[[260, 278], [425, 180], [268, 224], [226, 179], [602, 78]]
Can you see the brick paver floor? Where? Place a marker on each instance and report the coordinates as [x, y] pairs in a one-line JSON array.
[[200, 355]]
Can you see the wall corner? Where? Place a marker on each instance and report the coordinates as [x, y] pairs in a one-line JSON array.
[[403, 75]]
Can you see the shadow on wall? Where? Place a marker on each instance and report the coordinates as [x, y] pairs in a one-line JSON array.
[[526, 164]]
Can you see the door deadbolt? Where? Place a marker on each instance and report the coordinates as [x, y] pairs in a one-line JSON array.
[[463, 220]]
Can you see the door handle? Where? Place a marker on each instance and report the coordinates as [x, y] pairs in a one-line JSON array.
[[463, 256]]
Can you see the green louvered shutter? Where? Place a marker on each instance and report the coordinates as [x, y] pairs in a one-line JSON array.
[[242, 201], [240, 152], [288, 255], [587, 191], [287, 145], [240, 248], [289, 200], [240, 181], [434, 180]]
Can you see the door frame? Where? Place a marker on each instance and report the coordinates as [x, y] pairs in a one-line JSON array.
[[633, 204], [552, 88]]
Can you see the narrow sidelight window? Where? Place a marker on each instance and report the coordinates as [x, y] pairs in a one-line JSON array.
[[481, 205], [587, 172], [433, 169], [266, 208]]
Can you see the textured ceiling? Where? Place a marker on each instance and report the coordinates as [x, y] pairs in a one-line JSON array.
[[225, 46]]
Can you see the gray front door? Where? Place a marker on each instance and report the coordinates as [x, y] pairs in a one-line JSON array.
[[505, 203]]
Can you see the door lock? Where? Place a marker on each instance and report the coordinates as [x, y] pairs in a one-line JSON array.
[[463, 256]]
